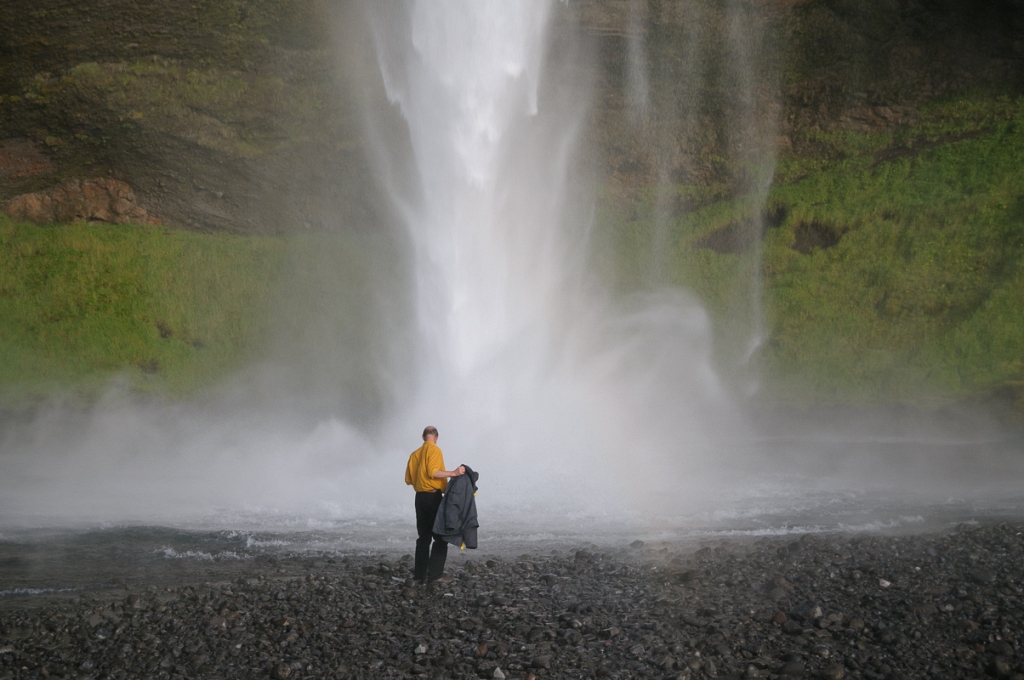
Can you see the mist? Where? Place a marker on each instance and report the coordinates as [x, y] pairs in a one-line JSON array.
[[473, 302]]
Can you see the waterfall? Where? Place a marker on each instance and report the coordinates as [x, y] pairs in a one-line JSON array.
[[574, 402], [562, 395], [717, 97], [485, 254], [532, 371]]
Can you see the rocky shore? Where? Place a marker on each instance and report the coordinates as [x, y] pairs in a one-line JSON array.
[[943, 605]]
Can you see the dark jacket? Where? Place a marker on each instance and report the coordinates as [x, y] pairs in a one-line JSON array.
[[456, 518]]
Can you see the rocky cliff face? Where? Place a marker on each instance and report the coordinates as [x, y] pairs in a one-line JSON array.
[[219, 114], [727, 83], [232, 115]]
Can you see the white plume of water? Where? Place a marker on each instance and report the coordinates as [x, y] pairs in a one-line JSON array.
[[571, 402], [559, 394], [528, 367]]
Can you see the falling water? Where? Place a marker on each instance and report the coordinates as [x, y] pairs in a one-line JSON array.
[[572, 402], [527, 365], [565, 395], [720, 62], [560, 394]]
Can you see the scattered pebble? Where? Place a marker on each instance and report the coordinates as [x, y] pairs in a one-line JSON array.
[[951, 608]]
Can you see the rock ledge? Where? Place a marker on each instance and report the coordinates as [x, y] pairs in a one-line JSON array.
[[90, 200]]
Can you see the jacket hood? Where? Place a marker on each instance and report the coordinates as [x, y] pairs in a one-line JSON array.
[[472, 474]]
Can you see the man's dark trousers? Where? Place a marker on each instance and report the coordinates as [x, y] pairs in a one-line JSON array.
[[429, 563]]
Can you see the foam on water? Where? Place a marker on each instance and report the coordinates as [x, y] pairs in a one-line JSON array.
[[203, 556], [8, 592]]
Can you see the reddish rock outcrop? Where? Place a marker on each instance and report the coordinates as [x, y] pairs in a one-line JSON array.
[[89, 200]]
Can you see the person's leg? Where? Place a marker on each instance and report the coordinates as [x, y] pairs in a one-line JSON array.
[[426, 511], [438, 555], [439, 550]]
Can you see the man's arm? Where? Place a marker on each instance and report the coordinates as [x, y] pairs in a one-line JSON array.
[[457, 472]]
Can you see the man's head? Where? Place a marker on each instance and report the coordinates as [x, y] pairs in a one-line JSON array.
[[430, 433]]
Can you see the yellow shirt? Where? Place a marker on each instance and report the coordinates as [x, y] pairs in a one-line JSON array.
[[423, 463]]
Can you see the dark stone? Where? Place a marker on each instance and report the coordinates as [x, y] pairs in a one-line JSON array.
[[833, 672], [793, 669], [620, 614], [685, 576], [981, 577], [1000, 667], [791, 627], [1000, 647], [807, 612], [925, 609]]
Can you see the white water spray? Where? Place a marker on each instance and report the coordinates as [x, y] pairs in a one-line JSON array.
[[561, 396], [569, 401], [532, 372]]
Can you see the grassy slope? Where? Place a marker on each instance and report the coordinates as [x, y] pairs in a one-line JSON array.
[[923, 292], [919, 301], [170, 310]]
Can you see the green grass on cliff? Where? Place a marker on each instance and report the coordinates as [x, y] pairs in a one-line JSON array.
[[922, 292], [167, 310], [895, 269], [892, 270]]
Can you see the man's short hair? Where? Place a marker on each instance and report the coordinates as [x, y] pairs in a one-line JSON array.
[[429, 429]]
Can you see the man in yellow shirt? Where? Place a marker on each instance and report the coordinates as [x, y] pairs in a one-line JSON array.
[[426, 474]]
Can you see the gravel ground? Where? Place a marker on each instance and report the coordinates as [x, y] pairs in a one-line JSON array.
[[828, 606]]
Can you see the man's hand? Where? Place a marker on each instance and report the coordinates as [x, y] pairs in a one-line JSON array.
[[459, 471]]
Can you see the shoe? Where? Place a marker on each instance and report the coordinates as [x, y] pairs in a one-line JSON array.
[[442, 579]]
